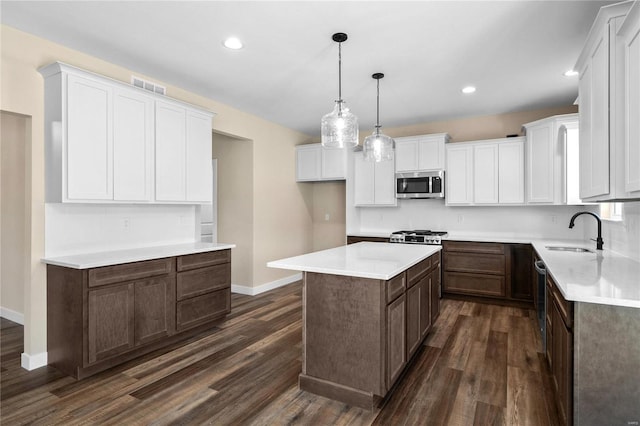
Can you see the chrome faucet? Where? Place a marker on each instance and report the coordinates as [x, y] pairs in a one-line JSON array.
[[598, 241]]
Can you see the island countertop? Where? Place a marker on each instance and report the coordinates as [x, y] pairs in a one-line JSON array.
[[116, 257], [380, 261]]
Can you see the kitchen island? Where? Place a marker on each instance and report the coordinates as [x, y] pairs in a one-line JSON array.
[[367, 307]]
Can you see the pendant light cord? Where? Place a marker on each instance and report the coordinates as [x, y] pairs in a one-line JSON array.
[[340, 74], [378, 107]]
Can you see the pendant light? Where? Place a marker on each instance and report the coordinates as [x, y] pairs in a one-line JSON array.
[[378, 146], [340, 126]]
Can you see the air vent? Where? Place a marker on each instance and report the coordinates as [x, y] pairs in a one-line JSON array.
[[148, 85]]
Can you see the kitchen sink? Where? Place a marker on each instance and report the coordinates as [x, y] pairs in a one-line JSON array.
[[573, 249]]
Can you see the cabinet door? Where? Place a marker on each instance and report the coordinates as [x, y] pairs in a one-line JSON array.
[[459, 175], [631, 42], [562, 365], [333, 164], [89, 142], [511, 172], [308, 162], [414, 332], [154, 309], [485, 174], [540, 145], [199, 174], [364, 180], [594, 120], [521, 272], [407, 154], [431, 153], [132, 146], [110, 321], [436, 282], [170, 152], [425, 304], [385, 183], [396, 339]]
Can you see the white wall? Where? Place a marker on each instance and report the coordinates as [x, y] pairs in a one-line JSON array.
[[526, 221], [82, 228], [622, 237]]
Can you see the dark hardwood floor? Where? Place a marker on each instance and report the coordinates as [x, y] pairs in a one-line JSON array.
[[479, 365]]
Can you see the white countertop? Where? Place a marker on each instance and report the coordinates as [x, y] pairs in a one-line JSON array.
[[601, 276], [107, 258], [380, 261]]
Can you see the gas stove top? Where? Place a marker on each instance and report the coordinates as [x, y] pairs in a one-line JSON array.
[[419, 236]]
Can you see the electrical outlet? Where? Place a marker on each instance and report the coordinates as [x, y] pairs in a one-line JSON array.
[[460, 218], [126, 223], [327, 216], [554, 218]]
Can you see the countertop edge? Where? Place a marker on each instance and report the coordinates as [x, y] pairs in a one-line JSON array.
[[117, 257]]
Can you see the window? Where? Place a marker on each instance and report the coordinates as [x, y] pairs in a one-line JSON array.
[[611, 211]]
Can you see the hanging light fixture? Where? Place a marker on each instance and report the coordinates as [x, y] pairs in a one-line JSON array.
[[378, 146], [340, 126]]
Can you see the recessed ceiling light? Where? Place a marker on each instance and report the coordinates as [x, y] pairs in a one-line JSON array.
[[468, 89], [570, 73], [233, 43]]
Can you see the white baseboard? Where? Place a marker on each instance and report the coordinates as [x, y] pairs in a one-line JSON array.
[[252, 291], [31, 362], [12, 315]]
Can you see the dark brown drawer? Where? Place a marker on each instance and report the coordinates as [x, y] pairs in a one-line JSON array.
[[396, 286], [200, 260], [129, 271], [200, 309], [417, 271], [564, 306], [473, 247], [481, 285], [435, 259], [199, 281], [475, 263]]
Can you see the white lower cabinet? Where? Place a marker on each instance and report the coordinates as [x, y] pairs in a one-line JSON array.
[[485, 172], [107, 141], [315, 163], [374, 183]]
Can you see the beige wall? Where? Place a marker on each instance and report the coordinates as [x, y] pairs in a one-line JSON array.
[[481, 127], [13, 142], [279, 205], [235, 202], [329, 199]]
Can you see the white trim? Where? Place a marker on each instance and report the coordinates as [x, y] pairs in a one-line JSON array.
[[12, 315], [31, 362], [252, 291]]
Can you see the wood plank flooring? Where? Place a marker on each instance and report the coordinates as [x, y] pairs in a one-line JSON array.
[[478, 366]]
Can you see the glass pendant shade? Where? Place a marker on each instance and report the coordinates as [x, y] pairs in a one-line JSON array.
[[378, 147], [339, 128]]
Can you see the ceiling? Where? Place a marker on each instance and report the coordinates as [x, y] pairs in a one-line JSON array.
[[514, 52]]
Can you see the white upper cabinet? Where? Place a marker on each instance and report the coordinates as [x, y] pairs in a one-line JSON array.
[[106, 141], [489, 172], [603, 97], [199, 173], [459, 174], [374, 183], [133, 146], [420, 153], [551, 159], [88, 145], [314, 163], [630, 39]]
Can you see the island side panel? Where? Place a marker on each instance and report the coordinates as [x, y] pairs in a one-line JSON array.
[[344, 331], [606, 365]]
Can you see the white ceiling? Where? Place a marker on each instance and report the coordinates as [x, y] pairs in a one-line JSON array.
[[514, 52]]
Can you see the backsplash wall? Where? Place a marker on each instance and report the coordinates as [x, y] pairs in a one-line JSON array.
[[81, 228], [622, 237], [526, 221]]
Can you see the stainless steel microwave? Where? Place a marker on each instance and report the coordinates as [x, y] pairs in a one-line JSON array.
[[420, 184]]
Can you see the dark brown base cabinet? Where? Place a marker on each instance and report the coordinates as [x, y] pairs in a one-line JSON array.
[[560, 349], [101, 317], [488, 270], [360, 334]]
